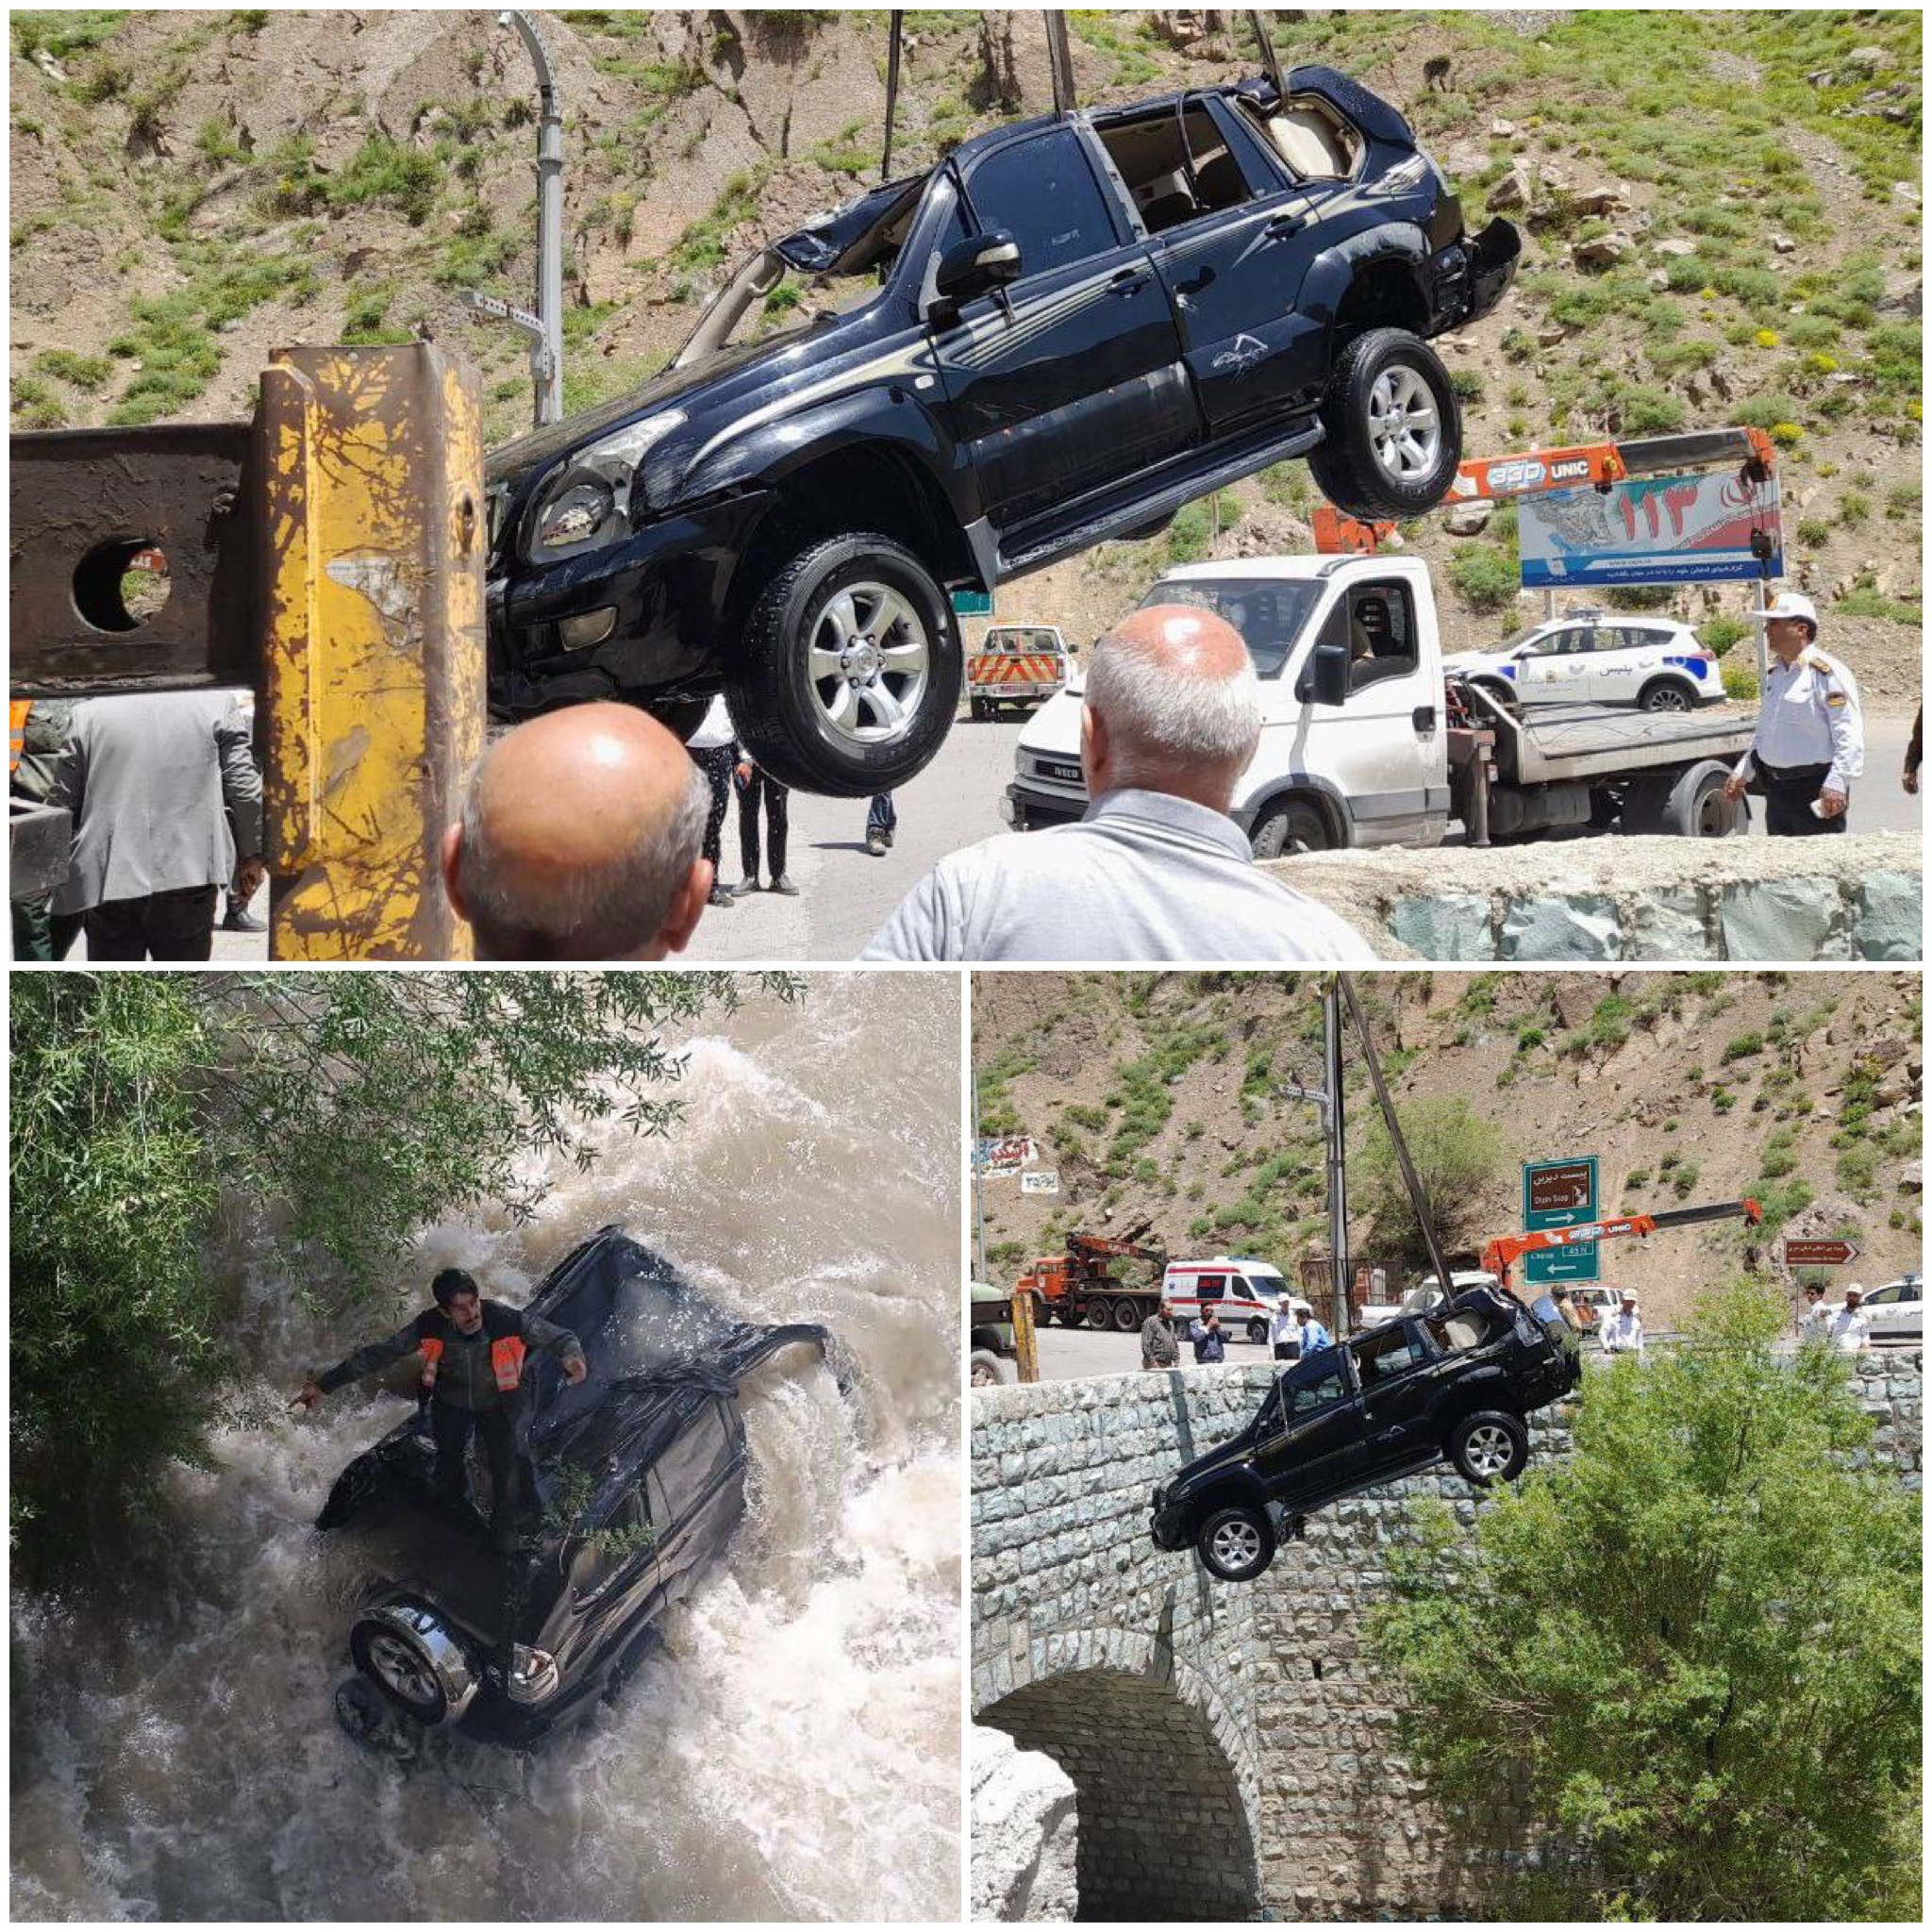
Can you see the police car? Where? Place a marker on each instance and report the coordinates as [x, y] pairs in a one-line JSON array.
[[1599, 657]]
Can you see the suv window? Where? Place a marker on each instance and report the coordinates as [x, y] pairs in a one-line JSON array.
[[1465, 1329], [626, 1533], [1176, 169], [1382, 1357], [688, 1468], [1043, 193], [1321, 1386]]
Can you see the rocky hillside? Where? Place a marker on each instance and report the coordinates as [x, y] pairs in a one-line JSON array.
[[1158, 1097], [1722, 209]]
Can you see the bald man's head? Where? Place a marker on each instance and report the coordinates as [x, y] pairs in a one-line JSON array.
[[581, 840], [1171, 706]]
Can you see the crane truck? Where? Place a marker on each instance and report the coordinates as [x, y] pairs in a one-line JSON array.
[[1080, 1286]]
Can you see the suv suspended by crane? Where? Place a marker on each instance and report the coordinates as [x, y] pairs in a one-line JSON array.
[[1061, 334]]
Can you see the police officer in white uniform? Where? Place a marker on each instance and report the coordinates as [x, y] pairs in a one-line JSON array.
[[1811, 741]]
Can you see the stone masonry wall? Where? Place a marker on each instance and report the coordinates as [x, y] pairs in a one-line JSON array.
[[1061, 1476], [1124, 1662]]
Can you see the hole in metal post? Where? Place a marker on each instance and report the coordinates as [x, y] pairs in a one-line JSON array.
[[123, 585]]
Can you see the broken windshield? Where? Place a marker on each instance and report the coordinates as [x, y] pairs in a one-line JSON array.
[[829, 268]]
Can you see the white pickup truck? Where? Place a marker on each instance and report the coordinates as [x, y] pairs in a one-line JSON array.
[[1367, 741]]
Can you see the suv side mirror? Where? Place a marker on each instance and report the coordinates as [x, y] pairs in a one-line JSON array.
[[1325, 680], [975, 267]]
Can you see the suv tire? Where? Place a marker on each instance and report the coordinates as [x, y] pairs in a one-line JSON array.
[[1296, 826], [398, 1669], [1236, 1544], [1394, 433], [1489, 1446], [827, 734]]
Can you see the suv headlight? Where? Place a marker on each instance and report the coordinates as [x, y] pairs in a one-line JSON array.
[[587, 504], [532, 1676]]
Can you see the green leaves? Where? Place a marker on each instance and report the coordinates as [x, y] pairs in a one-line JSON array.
[[347, 1111], [1694, 1643]]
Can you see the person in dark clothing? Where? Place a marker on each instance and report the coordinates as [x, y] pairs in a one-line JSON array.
[[714, 749], [1210, 1345], [881, 825], [1915, 753], [473, 1355], [40, 731], [753, 784]]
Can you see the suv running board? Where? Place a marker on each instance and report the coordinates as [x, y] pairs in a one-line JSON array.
[[1110, 517]]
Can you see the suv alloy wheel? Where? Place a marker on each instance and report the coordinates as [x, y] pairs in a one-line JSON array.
[[848, 674], [1394, 433], [1237, 1544], [1489, 1447]]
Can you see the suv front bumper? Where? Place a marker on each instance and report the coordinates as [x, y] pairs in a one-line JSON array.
[[670, 588]]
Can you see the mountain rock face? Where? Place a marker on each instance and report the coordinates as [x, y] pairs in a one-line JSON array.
[[1158, 1097], [191, 190]]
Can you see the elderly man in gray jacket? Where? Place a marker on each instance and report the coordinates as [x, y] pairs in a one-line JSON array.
[[153, 783]]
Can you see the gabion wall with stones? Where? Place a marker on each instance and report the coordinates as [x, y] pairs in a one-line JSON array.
[[1174, 1702], [1878, 917]]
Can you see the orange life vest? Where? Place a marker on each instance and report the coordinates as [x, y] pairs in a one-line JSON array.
[[17, 710], [507, 1350]]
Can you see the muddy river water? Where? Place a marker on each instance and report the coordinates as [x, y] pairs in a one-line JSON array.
[[793, 1749]]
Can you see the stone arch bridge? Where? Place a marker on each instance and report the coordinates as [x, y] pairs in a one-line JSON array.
[[1232, 1753]]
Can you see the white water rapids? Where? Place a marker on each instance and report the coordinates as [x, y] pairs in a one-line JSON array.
[[793, 1752]]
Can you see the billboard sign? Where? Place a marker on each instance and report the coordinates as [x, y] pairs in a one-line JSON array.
[[1561, 1195], [1008, 1153], [1650, 530]]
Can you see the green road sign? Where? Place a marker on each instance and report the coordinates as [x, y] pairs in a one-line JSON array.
[[1559, 1193], [972, 603]]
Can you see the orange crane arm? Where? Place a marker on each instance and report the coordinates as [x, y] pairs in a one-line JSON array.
[[1506, 1250]]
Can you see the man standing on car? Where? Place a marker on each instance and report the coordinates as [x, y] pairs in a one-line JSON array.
[[1622, 1333], [1210, 1346], [1160, 1346], [473, 1355], [1811, 741]]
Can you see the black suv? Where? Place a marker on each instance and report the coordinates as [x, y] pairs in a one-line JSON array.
[[1062, 334], [640, 1474], [1454, 1383]]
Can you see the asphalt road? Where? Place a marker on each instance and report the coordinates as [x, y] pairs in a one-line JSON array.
[[1067, 1355], [845, 895]]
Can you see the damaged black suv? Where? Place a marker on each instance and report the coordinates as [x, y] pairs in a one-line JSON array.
[[1451, 1385], [1062, 334], [640, 1480]]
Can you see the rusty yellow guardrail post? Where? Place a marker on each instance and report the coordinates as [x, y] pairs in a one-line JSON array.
[[1025, 1341], [374, 668]]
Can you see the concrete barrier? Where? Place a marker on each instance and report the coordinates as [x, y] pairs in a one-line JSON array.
[[1596, 900]]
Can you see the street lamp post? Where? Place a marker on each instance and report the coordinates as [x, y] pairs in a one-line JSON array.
[[545, 327]]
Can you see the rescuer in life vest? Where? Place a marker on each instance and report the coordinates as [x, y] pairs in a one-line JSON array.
[[474, 1354]]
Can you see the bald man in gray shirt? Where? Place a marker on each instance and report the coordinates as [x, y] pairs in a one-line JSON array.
[[1157, 870]]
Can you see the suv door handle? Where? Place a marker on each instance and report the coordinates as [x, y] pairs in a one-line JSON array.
[[1387, 1437], [1129, 281], [1424, 719], [1279, 228]]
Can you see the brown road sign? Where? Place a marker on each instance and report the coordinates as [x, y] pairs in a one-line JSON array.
[[1820, 1254], [1555, 1188]]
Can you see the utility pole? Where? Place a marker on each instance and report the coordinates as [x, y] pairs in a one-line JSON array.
[[1335, 1138], [545, 327], [1335, 1128], [979, 1183]]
